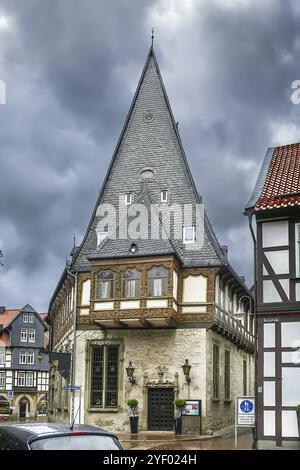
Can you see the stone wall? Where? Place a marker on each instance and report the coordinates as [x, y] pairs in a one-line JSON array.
[[220, 413], [148, 349]]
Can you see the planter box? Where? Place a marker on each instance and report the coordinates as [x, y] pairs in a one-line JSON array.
[[134, 420]]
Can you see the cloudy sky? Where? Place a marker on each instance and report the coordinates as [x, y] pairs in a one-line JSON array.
[[71, 68]]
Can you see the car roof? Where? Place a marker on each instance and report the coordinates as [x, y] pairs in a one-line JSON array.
[[32, 430]]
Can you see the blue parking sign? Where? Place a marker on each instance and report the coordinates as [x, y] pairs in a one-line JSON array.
[[10, 395]]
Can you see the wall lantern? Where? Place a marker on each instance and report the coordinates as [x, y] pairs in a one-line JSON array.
[[130, 370], [186, 367], [39, 357]]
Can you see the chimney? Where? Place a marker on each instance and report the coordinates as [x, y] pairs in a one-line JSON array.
[[2, 309]]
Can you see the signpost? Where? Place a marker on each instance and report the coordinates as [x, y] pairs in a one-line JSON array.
[[244, 414], [193, 408], [73, 389], [10, 396]]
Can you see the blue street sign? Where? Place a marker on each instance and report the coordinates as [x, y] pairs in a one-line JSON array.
[[246, 406], [10, 395], [72, 387]]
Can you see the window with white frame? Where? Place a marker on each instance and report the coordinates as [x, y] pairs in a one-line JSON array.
[[29, 379], [128, 199], [21, 379], [24, 335], [164, 195], [31, 336], [30, 358], [31, 318], [188, 235], [297, 248], [22, 357], [101, 236], [2, 355], [25, 317], [2, 379]]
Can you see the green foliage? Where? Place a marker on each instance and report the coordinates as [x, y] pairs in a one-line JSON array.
[[132, 403], [180, 403], [298, 408]]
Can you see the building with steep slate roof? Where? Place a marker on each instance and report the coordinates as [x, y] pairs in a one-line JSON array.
[[150, 288], [24, 365], [275, 205]]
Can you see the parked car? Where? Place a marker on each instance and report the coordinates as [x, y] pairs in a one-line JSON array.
[[56, 436]]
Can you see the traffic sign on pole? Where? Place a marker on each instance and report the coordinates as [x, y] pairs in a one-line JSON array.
[[10, 395]]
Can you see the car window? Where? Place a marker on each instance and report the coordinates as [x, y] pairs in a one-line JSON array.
[[3, 442], [76, 442]]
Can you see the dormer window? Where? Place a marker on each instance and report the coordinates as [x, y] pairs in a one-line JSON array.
[[164, 196], [128, 199], [101, 236], [25, 317], [188, 235]]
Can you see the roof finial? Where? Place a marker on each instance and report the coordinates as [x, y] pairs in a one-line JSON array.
[[152, 37], [74, 240]]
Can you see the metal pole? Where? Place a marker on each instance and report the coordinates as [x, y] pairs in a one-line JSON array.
[[73, 356], [235, 424]]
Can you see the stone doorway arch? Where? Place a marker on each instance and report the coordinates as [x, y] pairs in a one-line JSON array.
[[24, 408]]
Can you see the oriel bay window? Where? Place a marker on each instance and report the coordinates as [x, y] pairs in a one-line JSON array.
[[131, 283], [105, 285], [158, 282], [104, 376]]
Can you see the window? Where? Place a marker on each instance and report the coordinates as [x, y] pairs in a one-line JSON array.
[[24, 333], [297, 248], [2, 380], [158, 282], [188, 235], [227, 375], [164, 196], [29, 379], [105, 285], [131, 283], [21, 379], [216, 371], [31, 318], [25, 317], [22, 357], [101, 236], [244, 377], [104, 376], [2, 355], [30, 358], [31, 337], [128, 199]]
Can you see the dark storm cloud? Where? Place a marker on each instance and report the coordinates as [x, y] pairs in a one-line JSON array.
[[71, 67]]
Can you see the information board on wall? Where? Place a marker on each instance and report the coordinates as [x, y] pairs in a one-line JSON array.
[[192, 408]]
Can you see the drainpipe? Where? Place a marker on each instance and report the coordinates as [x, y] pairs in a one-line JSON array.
[[73, 356], [255, 437]]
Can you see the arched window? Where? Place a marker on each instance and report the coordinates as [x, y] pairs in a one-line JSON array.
[[131, 283], [105, 285], [158, 282]]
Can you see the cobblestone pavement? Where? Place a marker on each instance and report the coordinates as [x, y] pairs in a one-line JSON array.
[[156, 442]]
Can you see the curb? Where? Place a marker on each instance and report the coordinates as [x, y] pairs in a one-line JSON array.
[[171, 441]]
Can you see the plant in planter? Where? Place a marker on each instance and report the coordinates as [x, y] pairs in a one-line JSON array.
[[133, 415], [298, 417], [179, 405]]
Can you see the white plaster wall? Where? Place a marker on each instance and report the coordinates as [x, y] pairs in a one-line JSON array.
[[148, 349], [195, 289]]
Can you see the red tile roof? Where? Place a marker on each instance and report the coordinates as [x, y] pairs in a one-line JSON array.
[[5, 318], [282, 183]]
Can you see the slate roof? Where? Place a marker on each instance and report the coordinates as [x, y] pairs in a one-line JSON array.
[[278, 183], [155, 145]]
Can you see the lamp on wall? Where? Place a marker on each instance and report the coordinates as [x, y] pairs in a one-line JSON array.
[[129, 371], [186, 367]]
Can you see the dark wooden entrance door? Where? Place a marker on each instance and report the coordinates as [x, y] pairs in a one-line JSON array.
[[23, 408], [160, 409]]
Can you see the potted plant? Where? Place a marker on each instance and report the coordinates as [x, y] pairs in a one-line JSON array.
[[298, 417], [133, 415], [179, 405]]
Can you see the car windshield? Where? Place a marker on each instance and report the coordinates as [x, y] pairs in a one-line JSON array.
[[76, 442]]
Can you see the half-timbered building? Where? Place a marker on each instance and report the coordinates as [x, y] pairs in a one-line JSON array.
[[134, 308], [275, 204]]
